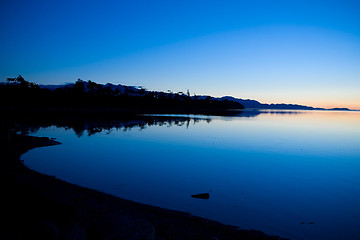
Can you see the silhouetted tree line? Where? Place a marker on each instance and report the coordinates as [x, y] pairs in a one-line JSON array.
[[92, 96]]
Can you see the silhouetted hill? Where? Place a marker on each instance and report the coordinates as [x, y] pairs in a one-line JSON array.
[[339, 109], [247, 103]]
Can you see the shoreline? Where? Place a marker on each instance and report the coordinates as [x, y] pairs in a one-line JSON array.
[[44, 207]]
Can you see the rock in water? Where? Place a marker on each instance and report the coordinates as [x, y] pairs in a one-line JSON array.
[[201, 196]]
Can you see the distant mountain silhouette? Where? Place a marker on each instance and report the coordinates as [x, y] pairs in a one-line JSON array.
[[90, 86], [248, 103]]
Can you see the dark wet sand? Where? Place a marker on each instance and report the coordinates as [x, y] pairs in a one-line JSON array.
[[38, 206]]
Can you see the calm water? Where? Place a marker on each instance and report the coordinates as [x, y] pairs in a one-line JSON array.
[[294, 175]]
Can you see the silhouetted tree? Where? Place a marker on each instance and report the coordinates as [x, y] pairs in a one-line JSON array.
[[94, 87], [20, 82], [79, 86]]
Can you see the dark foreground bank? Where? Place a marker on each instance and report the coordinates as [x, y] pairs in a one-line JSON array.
[[37, 206]]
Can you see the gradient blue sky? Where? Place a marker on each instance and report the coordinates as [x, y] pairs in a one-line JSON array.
[[305, 52]]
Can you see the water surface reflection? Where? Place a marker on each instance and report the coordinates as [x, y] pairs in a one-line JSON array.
[[294, 174]]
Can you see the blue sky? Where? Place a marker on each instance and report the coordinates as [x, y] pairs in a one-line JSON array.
[[305, 52]]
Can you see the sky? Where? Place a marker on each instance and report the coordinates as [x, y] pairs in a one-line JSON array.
[[300, 52]]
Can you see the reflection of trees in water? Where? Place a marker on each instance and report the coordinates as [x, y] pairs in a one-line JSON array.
[[140, 124], [25, 124], [94, 126]]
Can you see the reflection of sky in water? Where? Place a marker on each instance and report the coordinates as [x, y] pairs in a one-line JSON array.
[[270, 172]]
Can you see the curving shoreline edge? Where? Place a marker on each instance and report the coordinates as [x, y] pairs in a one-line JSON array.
[[43, 207]]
